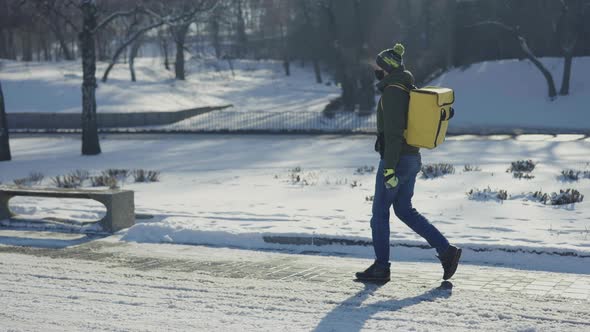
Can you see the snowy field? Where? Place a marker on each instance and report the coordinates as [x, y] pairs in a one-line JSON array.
[[513, 94], [239, 191], [497, 95], [253, 86]]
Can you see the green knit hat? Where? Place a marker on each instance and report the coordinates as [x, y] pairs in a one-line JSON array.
[[391, 58]]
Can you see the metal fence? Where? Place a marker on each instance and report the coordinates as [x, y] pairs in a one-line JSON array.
[[265, 122], [232, 121], [249, 122]]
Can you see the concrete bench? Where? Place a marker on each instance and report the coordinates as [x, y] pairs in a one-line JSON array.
[[119, 203]]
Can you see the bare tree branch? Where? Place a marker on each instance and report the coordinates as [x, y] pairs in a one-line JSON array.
[[126, 43], [116, 15], [515, 31]]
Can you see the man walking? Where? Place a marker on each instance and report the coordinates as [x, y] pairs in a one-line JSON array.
[[398, 168]]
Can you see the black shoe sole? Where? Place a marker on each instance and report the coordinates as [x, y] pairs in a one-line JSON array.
[[369, 279], [449, 274], [373, 281]]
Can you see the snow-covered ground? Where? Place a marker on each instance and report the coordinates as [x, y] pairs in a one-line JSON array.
[[145, 287], [253, 86], [496, 95], [513, 94], [244, 190]]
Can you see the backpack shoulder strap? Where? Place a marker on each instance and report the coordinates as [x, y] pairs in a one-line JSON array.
[[399, 86]]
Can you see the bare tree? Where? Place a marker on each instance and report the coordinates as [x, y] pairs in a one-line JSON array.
[[241, 37], [132, 39], [570, 28], [47, 11], [185, 13], [4, 141], [515, 31]]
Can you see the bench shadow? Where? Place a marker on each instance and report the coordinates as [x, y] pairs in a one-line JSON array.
[[351, 316], [38, 235]]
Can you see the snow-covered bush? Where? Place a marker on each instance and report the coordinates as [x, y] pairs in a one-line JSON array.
[[365, 170], [570, 174], [74, 179], [522, 175], [81, 174], [104, 180], [471, 168], [67, 181], [487, 194], [34, 178], [117, 173], [430, 171], [142, 175], [568, 196], [523, 166]]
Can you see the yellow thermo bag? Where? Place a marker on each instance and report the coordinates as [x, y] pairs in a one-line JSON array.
[[428, 116]]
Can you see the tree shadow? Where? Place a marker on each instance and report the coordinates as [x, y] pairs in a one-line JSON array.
[[351, 316]]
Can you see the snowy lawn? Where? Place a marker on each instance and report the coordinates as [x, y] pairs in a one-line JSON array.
[[498, 95], [237, 190], [253, 86]]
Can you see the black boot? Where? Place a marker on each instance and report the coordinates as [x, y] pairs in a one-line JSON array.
[[375, 273], [450, 261]]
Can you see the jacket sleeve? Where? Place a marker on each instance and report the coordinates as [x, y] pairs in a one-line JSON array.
[[395, 109]]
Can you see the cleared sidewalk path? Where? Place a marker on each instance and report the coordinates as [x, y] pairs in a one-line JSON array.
[[112, 285]]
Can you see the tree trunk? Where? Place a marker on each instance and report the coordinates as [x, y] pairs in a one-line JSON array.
[[180, 39], [179, 63], [215, 39], [90, 143], [27, 46], [287, 65], [318, 71], [132, 54], [63, 44], [11, 45], [546, 73], [450, 28], [4, 141], [166, 61], [241, 30], [567, 73]]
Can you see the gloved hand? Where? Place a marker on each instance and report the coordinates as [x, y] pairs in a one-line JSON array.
[[391, 180]]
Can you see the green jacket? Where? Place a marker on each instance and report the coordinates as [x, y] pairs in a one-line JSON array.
[[392, 116]]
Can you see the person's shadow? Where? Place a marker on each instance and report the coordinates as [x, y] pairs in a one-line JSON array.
[[350, 316]]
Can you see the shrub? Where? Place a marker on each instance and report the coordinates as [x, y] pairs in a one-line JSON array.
[[81, 174], [116, 173], [568, 196], [487, 194], [570, 175], [430, 171], [142, 175], [364, 170], [67, 181], [104, 181], [523, 166], [521, 175], [369, 198], [34, 178], [471, 168]]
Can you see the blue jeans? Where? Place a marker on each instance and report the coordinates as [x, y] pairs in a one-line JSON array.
[[400, 198]]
